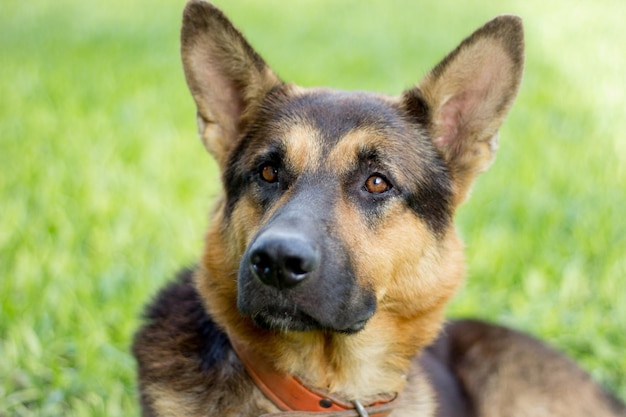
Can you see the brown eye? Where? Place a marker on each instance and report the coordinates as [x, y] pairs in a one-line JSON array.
[[269, 173], [376, 184]]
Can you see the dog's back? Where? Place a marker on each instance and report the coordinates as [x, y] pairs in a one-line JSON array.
[[503, 372]]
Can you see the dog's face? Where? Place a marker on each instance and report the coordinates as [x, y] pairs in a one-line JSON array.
[[338, 206], [327, 204]]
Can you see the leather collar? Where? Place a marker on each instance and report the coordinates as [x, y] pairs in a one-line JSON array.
[[294, 398]]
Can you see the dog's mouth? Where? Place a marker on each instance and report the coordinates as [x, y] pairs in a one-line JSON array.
[[283, 319]]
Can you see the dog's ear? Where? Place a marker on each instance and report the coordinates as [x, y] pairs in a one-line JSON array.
[[464, 99], [227, 78]]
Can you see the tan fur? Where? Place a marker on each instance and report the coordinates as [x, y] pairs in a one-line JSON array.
[[170, 402], [302, 152], [341, 157]]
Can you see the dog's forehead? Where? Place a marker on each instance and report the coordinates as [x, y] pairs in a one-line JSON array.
[[333, 113], [328, 127]]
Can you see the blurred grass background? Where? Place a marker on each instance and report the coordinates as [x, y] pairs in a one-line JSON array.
[[104, 187]]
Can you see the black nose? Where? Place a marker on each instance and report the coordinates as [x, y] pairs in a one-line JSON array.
[[283, 259]]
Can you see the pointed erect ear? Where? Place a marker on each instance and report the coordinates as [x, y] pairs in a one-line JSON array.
[[227, 78], [464, 99]]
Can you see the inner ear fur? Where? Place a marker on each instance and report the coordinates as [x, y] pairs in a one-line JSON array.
[[463, 101], [227, 78]]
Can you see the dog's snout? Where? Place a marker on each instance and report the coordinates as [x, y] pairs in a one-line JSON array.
[[283, 260]]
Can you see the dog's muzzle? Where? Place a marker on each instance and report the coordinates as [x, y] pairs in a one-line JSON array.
[[296, 275]]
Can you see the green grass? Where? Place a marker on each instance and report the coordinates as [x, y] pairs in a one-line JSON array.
[[104, 187]]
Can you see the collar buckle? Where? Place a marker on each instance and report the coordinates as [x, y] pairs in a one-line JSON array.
[[360, 409]]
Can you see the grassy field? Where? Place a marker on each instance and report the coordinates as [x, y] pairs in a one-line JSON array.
[[104, 187]]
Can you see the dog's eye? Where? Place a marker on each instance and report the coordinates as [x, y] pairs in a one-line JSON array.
[[377, 184], [269, 173]]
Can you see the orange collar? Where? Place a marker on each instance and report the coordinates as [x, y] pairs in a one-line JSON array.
[[288, 393]]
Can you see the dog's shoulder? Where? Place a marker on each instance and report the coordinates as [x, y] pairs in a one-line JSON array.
[[185, 360], [176, 322]]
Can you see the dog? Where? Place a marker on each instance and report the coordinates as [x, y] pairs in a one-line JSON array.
[[332, 253]]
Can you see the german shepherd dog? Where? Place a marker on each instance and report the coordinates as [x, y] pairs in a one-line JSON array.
[[332, 253]]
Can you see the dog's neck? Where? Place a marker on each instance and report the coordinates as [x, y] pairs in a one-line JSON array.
[[369, 367], [289, 393]]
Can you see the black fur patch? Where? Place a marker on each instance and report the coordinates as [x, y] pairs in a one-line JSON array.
[[432, 200], [180, 347], [179, 306], [416, 107], [243, 164]]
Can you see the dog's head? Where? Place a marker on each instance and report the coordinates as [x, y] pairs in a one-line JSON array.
[[337, 206]]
